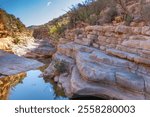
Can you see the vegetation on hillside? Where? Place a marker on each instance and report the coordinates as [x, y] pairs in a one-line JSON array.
[[86, 13], [13, 28], [10, 25], [92, 12]]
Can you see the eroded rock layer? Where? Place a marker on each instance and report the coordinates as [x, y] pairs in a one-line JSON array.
[[105, 61]]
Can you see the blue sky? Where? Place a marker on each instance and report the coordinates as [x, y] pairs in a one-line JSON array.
[[36, 12]]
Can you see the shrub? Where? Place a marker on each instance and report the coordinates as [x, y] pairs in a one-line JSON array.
[[128, 19], [56, 30], [108, 15], [88, 11], [61, 66]]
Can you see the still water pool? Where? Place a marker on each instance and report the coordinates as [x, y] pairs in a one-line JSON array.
[[30, 87]]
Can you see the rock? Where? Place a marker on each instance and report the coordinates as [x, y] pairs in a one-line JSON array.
[[69, 62], [45, 51], [121, 54], [131, 57], [36, 49], [11, 64], [56, 79], [51, 71], [92, 37], [85, 88], [61, 57], [98, 74], [104, 58], [93, 72], [108, 29], [78, 41], [132, 43], [146, 30], [145, 45], [147, 84], [66, 49], [122, 29], [96, 28], [136, 30], [102, 48], [66, 85], [142, 60], [95, 45], [89, 28], [119, 71], [130, 81], [87, 41], [116, 53], [70, 49]]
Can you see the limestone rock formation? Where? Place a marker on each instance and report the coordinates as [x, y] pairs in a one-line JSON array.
[[37, 49], [11, 64], [110, 62]]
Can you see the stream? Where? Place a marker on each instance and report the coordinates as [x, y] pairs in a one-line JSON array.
[[29, 86]]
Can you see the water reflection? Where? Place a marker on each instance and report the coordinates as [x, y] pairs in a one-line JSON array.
[[30, 87], [7, 83]]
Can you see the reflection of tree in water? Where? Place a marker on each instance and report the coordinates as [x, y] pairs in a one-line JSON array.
[[8, 82], [58, 93]]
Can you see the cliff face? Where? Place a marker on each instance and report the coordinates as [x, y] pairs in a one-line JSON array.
[[105, 61], [110, 61]]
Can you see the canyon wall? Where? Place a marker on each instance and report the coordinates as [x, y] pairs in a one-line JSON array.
[[104, 61]]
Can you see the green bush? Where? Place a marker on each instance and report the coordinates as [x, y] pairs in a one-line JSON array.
[[88, 11], [61, 66], [57, 28], [128, 19]]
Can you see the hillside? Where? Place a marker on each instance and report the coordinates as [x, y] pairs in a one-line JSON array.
[[10, 25], [12, 31], [97, 12]]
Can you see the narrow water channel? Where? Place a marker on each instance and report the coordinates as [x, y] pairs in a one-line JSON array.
[[29, 86]]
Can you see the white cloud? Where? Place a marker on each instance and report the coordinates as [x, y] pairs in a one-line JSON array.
[[49, 3]]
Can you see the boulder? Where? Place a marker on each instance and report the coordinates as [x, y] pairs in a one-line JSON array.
[[122, 29], [92, 71], [11, 64], [113, 74]]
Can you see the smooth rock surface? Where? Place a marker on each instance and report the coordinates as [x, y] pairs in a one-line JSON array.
[[36, 49], [11, 64], [130, 81], [95, 73], [85, 88]]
